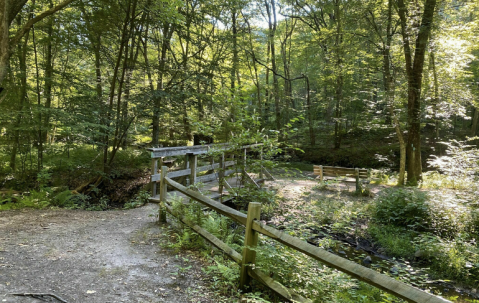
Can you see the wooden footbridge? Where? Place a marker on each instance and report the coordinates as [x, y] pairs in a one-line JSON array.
[[222, 175], [219, 168]]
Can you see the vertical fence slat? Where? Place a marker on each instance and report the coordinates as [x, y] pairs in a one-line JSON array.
[[221, 174], [154, 171], [250, 242], [193, 165], [358, 185], [163, 189]]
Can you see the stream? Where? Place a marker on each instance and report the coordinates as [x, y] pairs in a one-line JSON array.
[[412, 273]]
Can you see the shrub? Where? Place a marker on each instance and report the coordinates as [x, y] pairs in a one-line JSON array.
[[403, 208], [63, 199]]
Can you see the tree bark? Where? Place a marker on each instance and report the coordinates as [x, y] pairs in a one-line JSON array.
[[48, 77], [475, 121], [22, 59], [414, 71], [339, 77]]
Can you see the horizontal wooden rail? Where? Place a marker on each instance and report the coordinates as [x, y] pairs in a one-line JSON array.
[[399, 289], [235, 215], [230, 252], [214, 166], [187, 171], [196, 150], [277, 287]]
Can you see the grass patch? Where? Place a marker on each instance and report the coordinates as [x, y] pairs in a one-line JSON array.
[[396, 241]]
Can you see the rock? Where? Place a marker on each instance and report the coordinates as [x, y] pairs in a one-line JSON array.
[[419, 253], [342, 252], [394, 270], [367, 261]]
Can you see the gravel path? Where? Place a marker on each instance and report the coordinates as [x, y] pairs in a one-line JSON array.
[[83, 256]]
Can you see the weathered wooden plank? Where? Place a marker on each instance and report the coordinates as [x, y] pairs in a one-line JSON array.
[[207, 178], [213, 176], [214, 166], [399, 289], [268, 174], [277, 287], [230, 252], [193, 165], [154, 170], [248, 177], [344, 175], [336, 168], [207, 167], [197, 149], [163, 190], [222, 209], [344, 171]]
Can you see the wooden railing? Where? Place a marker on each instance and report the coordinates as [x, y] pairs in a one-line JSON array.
[[190, 169], [253, 228]]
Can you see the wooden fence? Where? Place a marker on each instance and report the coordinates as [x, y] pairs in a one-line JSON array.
[[190, 170], [253, 228]]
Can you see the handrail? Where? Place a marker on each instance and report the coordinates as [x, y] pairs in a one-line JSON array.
[[235, 215], [196, 149], [386, 283]]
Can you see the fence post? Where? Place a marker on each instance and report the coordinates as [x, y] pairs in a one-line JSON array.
[[221, 174], [193, 165], [154, 171], [163, 189], [358, 185], [250, 242], [187, 165], [321, 173]]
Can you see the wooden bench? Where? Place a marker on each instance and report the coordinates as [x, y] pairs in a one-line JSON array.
[[344, 174]]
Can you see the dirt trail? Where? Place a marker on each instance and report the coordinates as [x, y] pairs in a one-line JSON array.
[[83, 256]]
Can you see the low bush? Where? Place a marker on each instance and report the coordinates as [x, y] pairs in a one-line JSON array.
[[402, 208]]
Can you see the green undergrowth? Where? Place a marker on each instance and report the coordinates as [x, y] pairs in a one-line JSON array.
[[434, 228], [69, 163], [293, 269], [47, 197]]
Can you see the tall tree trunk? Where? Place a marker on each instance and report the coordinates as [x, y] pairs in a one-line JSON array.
[[48, 77], [312, 137], [4, 40], [475, 122], [339, 76], [288, 87], [272, 23], [22, 59], [123, 45], [167, 33], [414, 71], [389, 88], [436, 97], [39, 135]]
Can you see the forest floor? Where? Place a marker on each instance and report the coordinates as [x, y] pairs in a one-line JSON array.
[[91, 256], [121, 255]]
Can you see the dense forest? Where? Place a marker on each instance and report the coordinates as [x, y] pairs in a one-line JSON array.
[[397, 77]]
